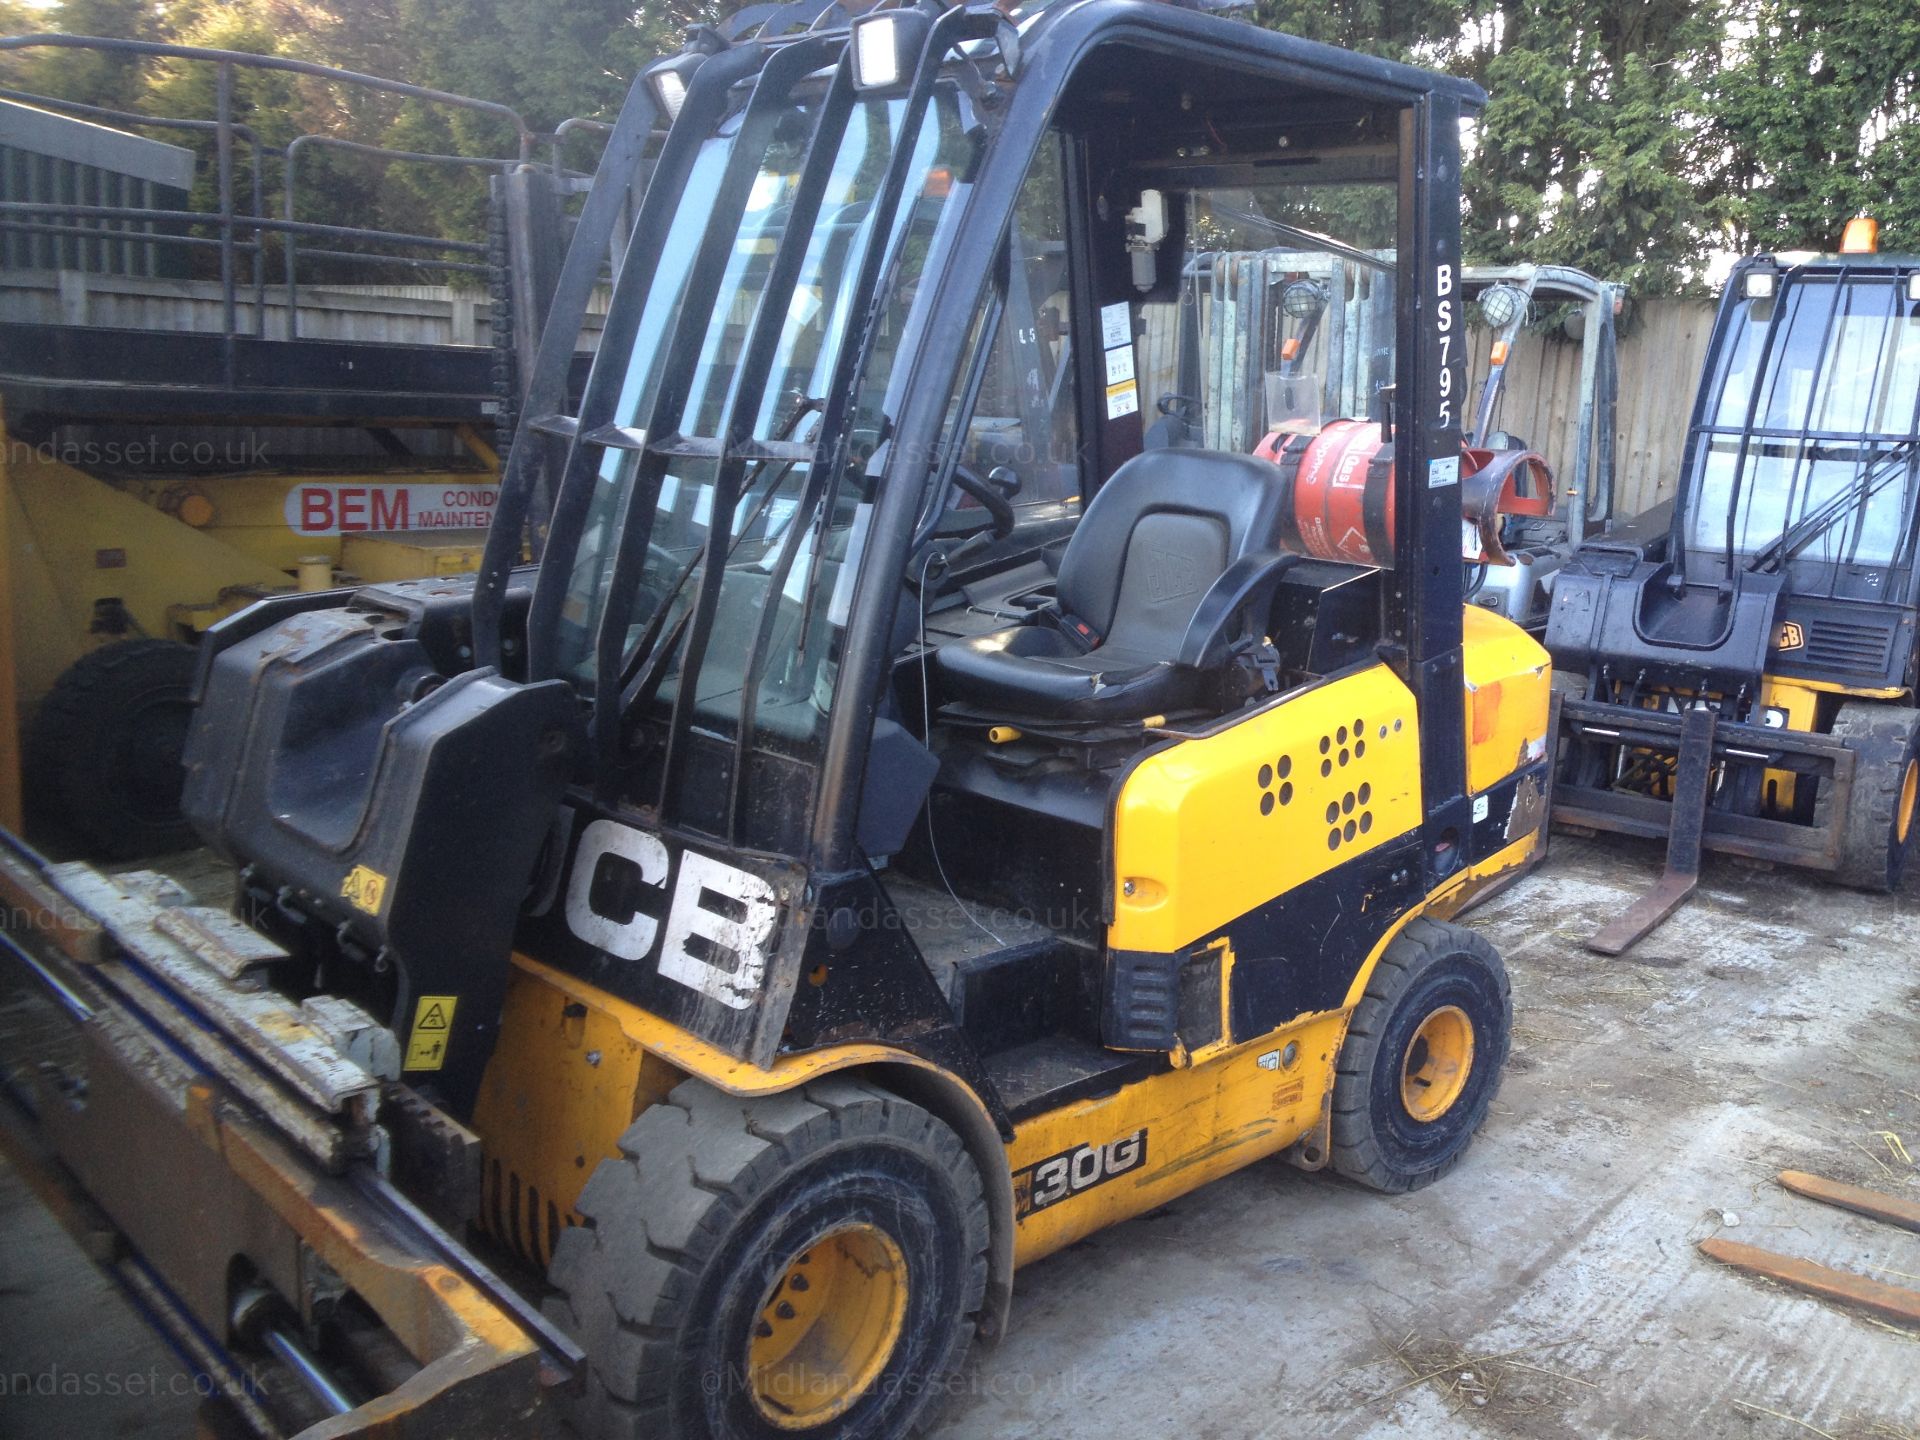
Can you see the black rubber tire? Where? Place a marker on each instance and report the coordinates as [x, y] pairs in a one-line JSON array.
[[1376, 1140], [692, 1224], [102, 768], [1885, 740]]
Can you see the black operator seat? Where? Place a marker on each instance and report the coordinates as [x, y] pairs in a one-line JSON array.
[[1169, 551]]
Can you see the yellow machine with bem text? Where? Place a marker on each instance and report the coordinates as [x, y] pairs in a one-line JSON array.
[[182, 437]]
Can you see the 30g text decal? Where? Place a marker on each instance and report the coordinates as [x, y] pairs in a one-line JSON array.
[[1072, 1172], [1443, 324]]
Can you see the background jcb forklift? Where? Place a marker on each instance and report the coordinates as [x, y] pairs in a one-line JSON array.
[[1748, 668], [808, 897]]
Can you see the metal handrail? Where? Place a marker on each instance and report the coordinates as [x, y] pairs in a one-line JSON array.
[[355, 147], [197, 127], [230, 225], [248, 60]]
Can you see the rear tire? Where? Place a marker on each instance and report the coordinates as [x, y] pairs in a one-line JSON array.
[[812, 1263], [1422, 1059], [1876, 833], [103, 766]]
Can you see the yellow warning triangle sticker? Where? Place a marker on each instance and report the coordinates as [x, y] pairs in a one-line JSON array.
[[434, 1019]]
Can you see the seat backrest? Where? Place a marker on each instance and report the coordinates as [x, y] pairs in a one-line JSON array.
[[1157, 535]]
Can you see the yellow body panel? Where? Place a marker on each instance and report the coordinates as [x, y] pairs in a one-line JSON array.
[[1476, 883], [573, 1068], [249, 510], [1197, 839], [74, 540], [1830, 687], [1801, 701], [1206, 830], [548, 1114], [376, 559], [1509, 691], [1238, 1105], [563, 1085], [181, 552], [1199, 1123]]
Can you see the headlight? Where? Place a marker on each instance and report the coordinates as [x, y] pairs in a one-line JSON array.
[[1502, 304], [1303, 298]]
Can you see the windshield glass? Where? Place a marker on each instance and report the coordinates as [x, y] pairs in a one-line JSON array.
[[794, 539], [1807, 450], [1286, 312]]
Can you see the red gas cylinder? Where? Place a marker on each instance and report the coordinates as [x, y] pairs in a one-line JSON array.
[[1339, 487]]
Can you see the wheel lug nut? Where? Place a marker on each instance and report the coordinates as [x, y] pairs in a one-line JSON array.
[[783, 1310], [798, 1282], [763, 1330]]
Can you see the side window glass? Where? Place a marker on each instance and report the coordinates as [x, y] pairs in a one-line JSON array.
[[1025, 419]]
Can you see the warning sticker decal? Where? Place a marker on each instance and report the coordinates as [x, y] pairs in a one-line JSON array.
[[364, 889], [432, 1027]]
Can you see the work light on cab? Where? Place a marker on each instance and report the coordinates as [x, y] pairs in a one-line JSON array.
[[669, 81], [886, 46]]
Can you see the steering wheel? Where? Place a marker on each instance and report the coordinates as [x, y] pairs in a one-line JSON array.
[[992, 499]]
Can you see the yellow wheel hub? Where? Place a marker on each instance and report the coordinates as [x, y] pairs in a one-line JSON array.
[[1909, 793], [1438, 1061], [827, 1327]]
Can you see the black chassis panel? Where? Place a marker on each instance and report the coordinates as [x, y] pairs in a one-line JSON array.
[[386, 816], [1628, 621], [633, 911]]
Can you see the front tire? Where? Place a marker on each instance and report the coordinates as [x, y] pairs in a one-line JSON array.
[[811, 1264], [1876, 833], [1422, 1058]]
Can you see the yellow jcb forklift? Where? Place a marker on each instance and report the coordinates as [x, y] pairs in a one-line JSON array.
[[903, 825], [1741, 664]]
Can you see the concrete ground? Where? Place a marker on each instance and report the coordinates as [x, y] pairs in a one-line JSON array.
[[1549, 1287], [75, 1360]]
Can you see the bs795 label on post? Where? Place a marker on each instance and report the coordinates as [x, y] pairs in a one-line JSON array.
[[1445, 327]]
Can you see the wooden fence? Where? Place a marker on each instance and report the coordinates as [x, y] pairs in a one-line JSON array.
[[401, 314], [1661, 350]]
